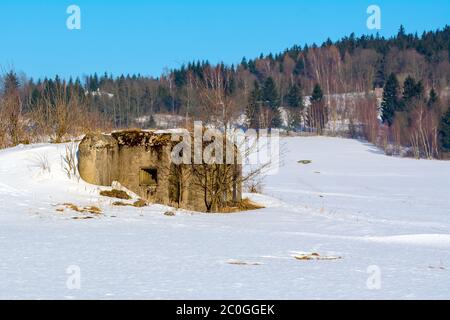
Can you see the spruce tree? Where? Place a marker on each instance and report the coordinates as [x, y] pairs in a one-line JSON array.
[[299, 67], [11, 83], [271, 100], [294, 101], [294, 97], [317, 94], [252, 67], [11, 107], [379, 80], [151, 122], [432, 99], [390, 103], [317, 112], [244, 63], [269, 93], [252, 110], [409, 89], [444, 132]]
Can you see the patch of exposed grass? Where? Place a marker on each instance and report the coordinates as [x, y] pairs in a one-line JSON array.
[[82, 218], [92, 209], [137, 204], [121, 204], [73, 207], [169, 213], [304, 161], [87, 209], [315, 256], [140, 203], [244, 205], [115, 193]]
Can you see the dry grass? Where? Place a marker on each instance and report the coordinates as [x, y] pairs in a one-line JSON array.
[[72, 206], [315, 256], [92, 209], [114, 193], [253, 186], [86, 209], [68, 161], [140, 203], [137, 204], [245, 205], [121, 204]]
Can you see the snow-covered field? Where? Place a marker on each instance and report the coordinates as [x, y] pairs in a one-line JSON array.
[[386, 218]]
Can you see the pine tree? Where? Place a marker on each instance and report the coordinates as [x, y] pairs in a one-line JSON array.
[[271, 100], [409, 89], [11, 83], [151, 122], [11, 107], [294, 102], [244, 63], [401, 35], [269, 93], [252, 110], [294, 98], [299, 67], [412, 89], [317, 112], [380, 78], [420, 90], [412, 92], [444, 131], [390, 103], [432, 99], [252, 67], [317, 94]]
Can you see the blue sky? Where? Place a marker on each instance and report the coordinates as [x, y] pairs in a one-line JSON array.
[[137, 36]]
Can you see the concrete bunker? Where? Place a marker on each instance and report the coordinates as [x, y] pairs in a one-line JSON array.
[[141, 161]]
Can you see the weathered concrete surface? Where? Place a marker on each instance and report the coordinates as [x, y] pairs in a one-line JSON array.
[[123, 156], [98, 159]]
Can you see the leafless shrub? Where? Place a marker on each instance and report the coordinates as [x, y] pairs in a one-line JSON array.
[[219, 180], [11, 120], [68, 160], [254, 185], [41, 162]]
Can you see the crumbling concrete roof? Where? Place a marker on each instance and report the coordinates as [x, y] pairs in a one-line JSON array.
[[134, 138], [99, 141]]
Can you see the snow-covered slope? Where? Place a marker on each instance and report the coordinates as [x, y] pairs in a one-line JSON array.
[[377, 215]]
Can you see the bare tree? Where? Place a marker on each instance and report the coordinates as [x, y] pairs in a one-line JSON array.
[[11, 122]]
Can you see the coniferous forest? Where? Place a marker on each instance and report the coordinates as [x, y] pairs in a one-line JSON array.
[[393, 92]]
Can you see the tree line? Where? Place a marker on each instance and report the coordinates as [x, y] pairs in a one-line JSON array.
[[315, 88]]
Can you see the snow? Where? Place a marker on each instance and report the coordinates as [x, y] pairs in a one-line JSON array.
[[352, 205]]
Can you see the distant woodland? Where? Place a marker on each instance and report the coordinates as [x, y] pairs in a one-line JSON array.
[[391, 92]]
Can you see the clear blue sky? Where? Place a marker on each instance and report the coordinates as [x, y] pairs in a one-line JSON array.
[[137, 36]]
